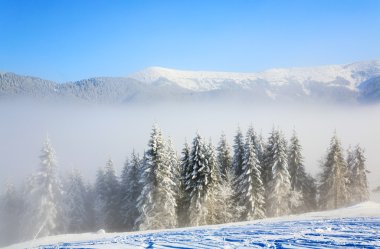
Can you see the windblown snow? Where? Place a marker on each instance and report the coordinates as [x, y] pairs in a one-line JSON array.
[[356, 226]]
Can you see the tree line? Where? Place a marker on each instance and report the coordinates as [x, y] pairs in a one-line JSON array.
[[203, 185]]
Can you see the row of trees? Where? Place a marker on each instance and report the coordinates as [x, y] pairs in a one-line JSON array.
[[205, 185]]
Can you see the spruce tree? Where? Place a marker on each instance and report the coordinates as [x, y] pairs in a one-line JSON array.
[[250, 186], [157, 201], [75, 204], [333, 188], [298, 178], [358, 176], [214, 203], [130, 191], [44, 193], [238, 147], [111, 205], [224, 156], [279, 185], [183, 202], [197, 184]]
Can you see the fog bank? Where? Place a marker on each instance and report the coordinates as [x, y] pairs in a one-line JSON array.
[[84, 137]]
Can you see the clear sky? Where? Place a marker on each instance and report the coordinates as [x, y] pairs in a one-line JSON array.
[[72, 40]]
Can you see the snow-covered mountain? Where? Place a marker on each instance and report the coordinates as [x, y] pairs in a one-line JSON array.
[[351, 83], [352, 227]]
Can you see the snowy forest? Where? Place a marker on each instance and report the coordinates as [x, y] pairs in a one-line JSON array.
[[203, 184]]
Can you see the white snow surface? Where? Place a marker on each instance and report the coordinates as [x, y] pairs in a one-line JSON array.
[[356, 226], [354, 73]]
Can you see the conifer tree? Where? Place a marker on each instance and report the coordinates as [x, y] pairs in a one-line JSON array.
[[197, 184], [250, 186], [130, 191], [224, 156], [333, 189], [183, 202], [298, 178], [279, 184], [100, 199], [358, 176], [111, 205], [268, 157], [157, 201], [44, 193], [238, 147], [75, 204], [213, 201]]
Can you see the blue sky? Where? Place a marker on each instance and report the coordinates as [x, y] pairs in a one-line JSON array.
[[72, 40]]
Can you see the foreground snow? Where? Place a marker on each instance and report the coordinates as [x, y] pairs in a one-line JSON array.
[[356, 226]]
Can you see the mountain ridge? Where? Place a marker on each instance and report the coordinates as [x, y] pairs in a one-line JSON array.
[[357, 82]]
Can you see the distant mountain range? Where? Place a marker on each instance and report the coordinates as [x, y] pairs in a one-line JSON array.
[[352, 83]]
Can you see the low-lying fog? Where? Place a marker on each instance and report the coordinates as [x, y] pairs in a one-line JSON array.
[[84, 137]]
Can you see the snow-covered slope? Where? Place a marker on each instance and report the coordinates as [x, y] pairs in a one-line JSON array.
[[356, 226], [350, 75], [353, 83]]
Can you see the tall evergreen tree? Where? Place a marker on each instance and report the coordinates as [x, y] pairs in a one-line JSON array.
[[130, 191], [183, 202], [224, 156], [333, 189], [214, 203], [298, 178], [197, 184], [358, 176], [100, 199], [75, 204], [250, 188], [111, 198], [157, 202], [279, 185], [238, 147], [44, 196], [268, 157]]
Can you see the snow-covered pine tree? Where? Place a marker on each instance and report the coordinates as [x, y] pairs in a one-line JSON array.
[[237, 162], [10, 210], [257, 141], [130, 191], [333, 188], [157, 202], [268, 157], [74, 202], [183, 201], [358, 176], [111, 205], [197, 184], [214, 203], [250, 186], [279, 185], [230, 212], [100, 199], [173, 163], [298, 178], [44, 192], [224, 156]]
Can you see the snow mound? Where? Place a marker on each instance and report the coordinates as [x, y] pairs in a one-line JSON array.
[[356, 226]]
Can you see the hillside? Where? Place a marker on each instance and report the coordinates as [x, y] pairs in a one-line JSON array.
[[352, 83], [356, 226]]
